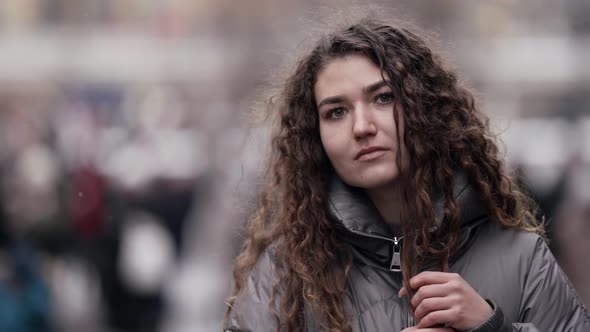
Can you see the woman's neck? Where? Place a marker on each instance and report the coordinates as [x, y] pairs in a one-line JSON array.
[[387, 200]]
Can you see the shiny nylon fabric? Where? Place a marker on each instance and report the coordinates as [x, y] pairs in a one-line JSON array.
[[512, 268]]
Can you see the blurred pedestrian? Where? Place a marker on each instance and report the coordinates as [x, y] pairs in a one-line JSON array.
[[24, 295]]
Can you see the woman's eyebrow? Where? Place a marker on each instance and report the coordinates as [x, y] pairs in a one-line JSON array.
[[366, 90], [374, 87], [331, 100]]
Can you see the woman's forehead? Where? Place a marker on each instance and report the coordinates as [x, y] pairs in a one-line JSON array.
[[354, 73]]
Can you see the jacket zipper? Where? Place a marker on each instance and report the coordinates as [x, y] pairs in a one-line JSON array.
[[408, 319], [411, 320], [395, 266], [396, 260]]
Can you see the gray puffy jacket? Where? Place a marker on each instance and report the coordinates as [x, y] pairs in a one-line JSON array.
[[513, 270]]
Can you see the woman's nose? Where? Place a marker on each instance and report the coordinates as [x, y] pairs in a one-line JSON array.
[[364, 124]]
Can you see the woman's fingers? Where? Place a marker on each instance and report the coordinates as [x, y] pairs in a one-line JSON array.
[[402, 292], [444, 317], [429, 291], [432, 304], [447, 299], [431, 277]]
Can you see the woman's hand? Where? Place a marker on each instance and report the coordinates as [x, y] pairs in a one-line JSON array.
[[446, 299]]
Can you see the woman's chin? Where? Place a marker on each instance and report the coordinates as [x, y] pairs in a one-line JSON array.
[[372, 181]]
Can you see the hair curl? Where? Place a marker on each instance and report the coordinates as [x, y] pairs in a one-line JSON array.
[[444, 131]]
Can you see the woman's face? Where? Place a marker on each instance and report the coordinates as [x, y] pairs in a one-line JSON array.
[[357, 123]]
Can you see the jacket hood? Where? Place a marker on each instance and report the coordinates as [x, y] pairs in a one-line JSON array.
[[362, 226]]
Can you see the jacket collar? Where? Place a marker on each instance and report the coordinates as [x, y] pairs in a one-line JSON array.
[[355, 211], [354, 214]]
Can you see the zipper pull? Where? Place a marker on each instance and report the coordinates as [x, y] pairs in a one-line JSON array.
[[396, 259]]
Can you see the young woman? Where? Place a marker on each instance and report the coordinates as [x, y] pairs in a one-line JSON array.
[[389, 207]]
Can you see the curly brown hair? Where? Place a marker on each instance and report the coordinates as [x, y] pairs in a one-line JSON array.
[[444, 131]]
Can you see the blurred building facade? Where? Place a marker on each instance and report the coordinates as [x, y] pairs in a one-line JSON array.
[[128, 164]]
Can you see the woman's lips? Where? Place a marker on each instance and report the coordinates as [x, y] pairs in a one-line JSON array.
[[370, 153]]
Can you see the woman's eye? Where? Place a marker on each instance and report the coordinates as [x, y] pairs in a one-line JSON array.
[[384, 98], [336, 113]]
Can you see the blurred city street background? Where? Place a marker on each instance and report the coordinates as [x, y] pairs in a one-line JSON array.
[[129, 164]]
